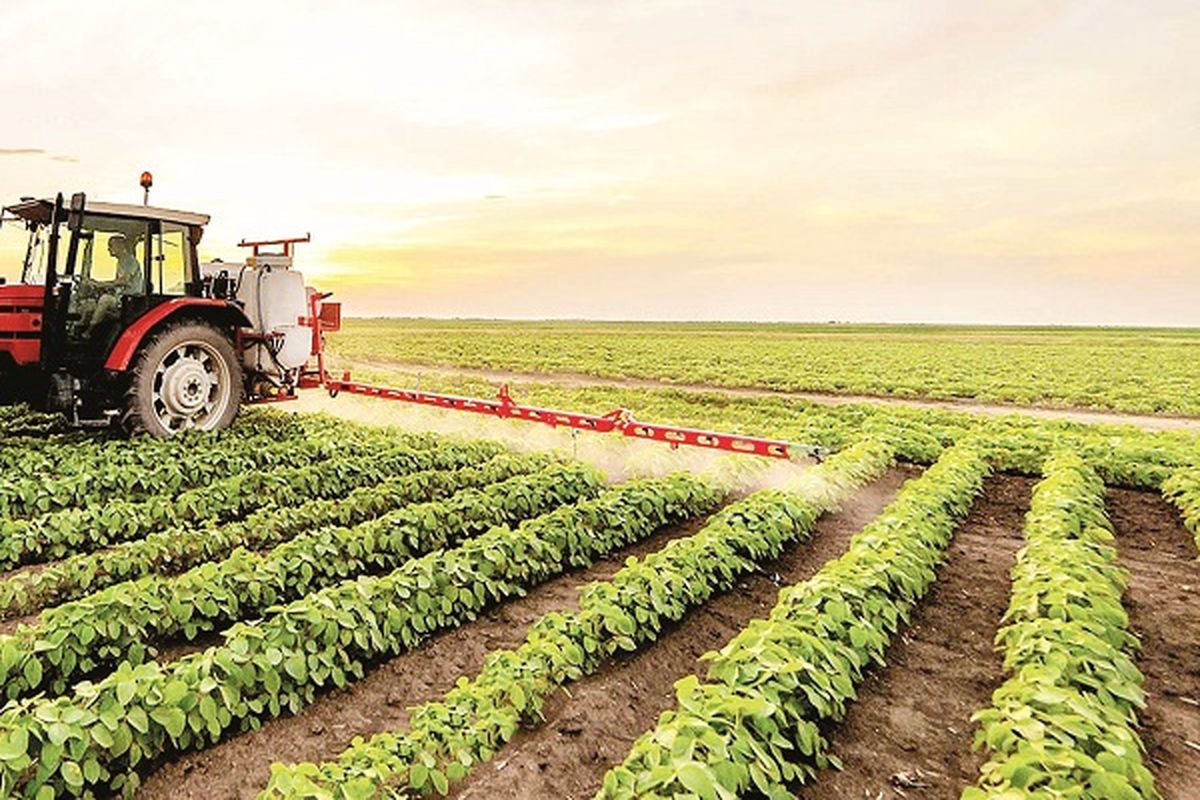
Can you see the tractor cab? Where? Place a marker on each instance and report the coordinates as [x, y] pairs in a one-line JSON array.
[[101, 266], [98, 283]]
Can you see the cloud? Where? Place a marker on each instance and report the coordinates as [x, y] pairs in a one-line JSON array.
[[37, 151]]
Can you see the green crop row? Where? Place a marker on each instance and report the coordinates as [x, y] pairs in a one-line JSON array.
[[447, 737], [1183, 489], [1063, 724], [123, 621], [58, 456], [213, 459], [94, 741], [753, 725], [19, 420], [81, 530], [176, 550], [74, 453]]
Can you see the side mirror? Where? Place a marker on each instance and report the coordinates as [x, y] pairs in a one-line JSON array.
[[75, 218]]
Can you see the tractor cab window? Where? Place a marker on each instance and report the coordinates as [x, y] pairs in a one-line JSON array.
[[109, 266], [112, 251], [115, 258], [171, 260], [33, 270], [23, 252]]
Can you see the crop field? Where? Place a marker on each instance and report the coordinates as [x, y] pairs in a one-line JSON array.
[[1143, 371], [944, 606]]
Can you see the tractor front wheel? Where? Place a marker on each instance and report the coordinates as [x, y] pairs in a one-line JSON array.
[[187, 377]]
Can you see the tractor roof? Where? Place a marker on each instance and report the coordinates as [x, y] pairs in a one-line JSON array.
[[39, 211]]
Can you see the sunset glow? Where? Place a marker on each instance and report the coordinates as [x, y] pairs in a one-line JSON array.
[[1001, 162]]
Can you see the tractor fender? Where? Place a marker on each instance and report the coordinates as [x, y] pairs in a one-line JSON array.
[[220, 311]]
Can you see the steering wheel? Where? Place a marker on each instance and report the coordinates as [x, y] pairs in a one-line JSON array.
[[83, 290]]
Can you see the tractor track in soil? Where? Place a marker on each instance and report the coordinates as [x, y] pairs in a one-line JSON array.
[[911, 722], [590, 725], [1164, 583], [240, 766]]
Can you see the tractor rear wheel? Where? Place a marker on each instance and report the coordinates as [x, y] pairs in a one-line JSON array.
[[187, 377]]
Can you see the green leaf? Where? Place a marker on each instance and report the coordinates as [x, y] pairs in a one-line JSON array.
[[696, 778], [14, 745], [136, 717], [418, 775], [296, 666], [72, 774], [125, 691], [33, 672], [174, 691], [440, 783], [171, 718], [102, 736], [208, 709]]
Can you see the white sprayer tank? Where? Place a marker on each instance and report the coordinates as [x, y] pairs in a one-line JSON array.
[[275, 299]]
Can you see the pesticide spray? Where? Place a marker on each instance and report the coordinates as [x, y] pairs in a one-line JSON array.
[[619, 458]]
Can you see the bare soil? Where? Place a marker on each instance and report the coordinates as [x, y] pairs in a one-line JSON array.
[[1163, 601], [1150, 422], [239, 767], [909, 734], [590, 725], [9, 624]]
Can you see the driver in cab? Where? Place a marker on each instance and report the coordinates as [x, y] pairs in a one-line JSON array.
[[127, 280]]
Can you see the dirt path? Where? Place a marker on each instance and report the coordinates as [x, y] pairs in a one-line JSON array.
[[591, 725], [1164, 584], [1150, 422], [239, 767], [912, 718]]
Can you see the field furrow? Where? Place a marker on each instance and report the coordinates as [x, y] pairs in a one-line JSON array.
[[754, 722], [1065, 719], [940, 668], [1164, 582]]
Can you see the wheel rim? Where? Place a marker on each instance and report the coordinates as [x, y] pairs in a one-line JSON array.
[[192, 387]]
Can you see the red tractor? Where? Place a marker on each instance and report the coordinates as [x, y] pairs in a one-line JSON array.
[[116, 322]]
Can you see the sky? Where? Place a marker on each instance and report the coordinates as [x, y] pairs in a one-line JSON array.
[[1007, 162]]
